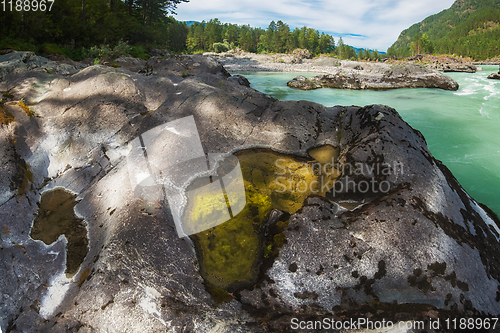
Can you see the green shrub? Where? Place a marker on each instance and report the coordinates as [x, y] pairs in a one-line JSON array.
[[121, 49], [106, 53], [99, 52], [139, 52], [17, 44], [51, 49], [75, 54], [220, 47]]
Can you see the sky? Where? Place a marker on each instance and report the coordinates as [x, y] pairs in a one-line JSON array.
[[373, 24]]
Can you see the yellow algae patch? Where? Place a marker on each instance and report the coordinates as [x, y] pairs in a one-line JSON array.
[[324, 154], [25, 108], [231, 253], [83, 276], [25, 177], [5, 116]]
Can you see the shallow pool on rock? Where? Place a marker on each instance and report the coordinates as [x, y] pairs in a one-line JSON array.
[[276, 185], [56, 217]]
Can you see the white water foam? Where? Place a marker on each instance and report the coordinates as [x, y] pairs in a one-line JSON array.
[[484, 112], [492, 89], [469, 89]]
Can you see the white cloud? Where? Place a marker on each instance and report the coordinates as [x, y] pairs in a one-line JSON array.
[[380, 21]]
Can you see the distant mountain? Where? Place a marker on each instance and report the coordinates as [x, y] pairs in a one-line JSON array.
[[467, 28], [190, 23], [360, 48]]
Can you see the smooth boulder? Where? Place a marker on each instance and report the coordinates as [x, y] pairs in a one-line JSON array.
[[378, 76], [416, 247]]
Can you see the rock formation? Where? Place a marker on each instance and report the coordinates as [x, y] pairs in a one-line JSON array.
[[447, 63], [417, 247], [377, 77], [494, 76]]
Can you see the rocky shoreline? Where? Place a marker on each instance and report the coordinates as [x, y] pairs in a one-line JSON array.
[[420, 249], [494, 61], [377, 77], [421, 72], [238, 61], [445, 63]]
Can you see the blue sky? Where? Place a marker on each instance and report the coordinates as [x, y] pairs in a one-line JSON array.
[[373, 24]]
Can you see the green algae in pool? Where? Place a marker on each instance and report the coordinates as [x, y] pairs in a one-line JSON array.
[[56, 216], [230, 254]]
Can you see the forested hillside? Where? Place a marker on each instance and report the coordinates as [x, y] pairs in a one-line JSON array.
[[468, 28], [67, 26]]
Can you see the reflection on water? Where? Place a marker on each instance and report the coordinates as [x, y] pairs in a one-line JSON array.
[[56, 217]]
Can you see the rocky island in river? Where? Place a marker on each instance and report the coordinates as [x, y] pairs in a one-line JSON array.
[[396, 238], [377, 76], [421, 72]]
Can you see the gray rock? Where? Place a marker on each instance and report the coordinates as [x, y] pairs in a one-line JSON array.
[[389, 251], [23, 62], [130, 63], [424, 241], [378, 77], [445, 63], [453, 67], [240, 79], [495, 76], [302, 54]]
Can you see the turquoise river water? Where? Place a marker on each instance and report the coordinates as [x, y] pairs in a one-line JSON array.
[[462, 128]]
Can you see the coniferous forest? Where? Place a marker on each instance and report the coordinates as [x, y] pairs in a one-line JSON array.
[[277, 38], [91, 28], [214, 36], [72, 26], [94, 28]]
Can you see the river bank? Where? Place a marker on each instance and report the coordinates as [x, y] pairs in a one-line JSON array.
[[303, 61], [341, 74]]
